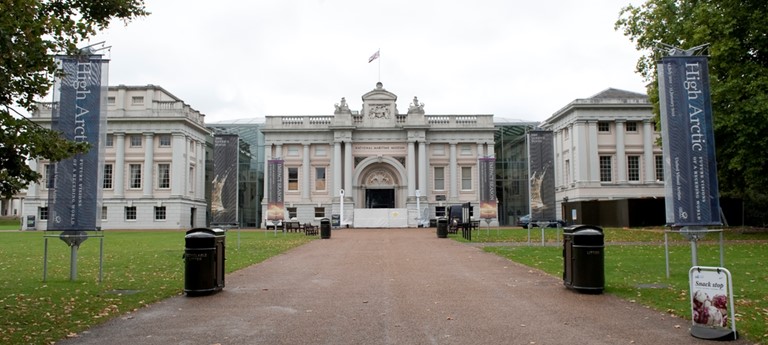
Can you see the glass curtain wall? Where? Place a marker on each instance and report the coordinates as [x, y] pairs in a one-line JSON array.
[[511, 170], [251, 168]]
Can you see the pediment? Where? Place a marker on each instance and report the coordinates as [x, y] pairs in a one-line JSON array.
[[379, 94]]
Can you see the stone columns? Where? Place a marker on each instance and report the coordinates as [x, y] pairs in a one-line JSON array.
[[648, 157], [119, 169], [454, 172], [336, 161], [179, 168], [621, 155], [305, 174], [348, 168], [423, 164], [411, 166], [149, 162]]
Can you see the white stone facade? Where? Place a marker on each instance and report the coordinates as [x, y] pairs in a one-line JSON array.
[[606, 151], [380, 158], [154, 162]]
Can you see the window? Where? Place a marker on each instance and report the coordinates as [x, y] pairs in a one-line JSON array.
[[603, 127], [291, 212], [319, 212], [293, 178], [159, 212], [567, 172], [164, 176], [439, 211], [191, 179], [439, 149], [633, 168], [130, 213], [135, 141], [165, 140], [50, 175], [565, 133], [293, 151], [605, 169], [136, 100], [135, 170], [111, 100], [110, 141], [630, 126], [466, 150], [103, 213], [659, 167], [107, 183], [466, 178], [439, 178], [321, 150], [43, 213], [319, 178]]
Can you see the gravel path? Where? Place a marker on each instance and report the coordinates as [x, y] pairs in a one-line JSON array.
[[392, 286]]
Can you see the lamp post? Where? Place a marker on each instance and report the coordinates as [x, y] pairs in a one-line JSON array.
[[418, 208], [341, 205]]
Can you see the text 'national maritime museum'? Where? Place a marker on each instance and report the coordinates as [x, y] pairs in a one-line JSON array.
[[377, 167]]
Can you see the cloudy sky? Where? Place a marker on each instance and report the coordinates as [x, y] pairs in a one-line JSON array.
[[234, 59]]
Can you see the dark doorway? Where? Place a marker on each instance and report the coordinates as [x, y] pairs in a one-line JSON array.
[[379, 198]]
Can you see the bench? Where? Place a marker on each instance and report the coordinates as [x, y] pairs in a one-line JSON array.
[[310, 230], [292, 226]]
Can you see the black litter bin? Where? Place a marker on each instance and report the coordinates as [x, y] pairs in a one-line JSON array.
[[204, 261], [442, 227], [325, 228], [584, 258]]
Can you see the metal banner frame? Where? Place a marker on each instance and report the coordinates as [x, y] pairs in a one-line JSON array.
[[80, 114]]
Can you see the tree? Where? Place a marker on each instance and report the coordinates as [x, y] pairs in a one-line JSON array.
[[31, 33], [738, 60]]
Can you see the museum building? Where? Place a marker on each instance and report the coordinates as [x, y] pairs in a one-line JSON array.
[[367, 167], [377, 167]]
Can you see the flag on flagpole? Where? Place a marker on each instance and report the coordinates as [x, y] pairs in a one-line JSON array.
[[373, 57]]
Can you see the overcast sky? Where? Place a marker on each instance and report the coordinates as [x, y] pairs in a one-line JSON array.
[[235, 59]]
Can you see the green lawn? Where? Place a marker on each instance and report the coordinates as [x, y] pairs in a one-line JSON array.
[[140, 267], [637, 272], [8, 223]]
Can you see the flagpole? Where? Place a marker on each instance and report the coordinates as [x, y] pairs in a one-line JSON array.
[[379, 51]]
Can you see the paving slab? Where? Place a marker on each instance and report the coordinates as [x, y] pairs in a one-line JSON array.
[[392, 286]]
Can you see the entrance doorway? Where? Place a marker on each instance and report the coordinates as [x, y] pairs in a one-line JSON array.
[[380, 198]]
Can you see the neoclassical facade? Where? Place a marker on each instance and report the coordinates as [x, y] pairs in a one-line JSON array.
[[377, 167], [609, 167], [154, 163]]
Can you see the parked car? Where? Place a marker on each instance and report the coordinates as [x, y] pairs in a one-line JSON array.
[[526, 219]]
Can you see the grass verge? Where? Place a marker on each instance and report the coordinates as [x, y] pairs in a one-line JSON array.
[[637, 272], [140, 268]]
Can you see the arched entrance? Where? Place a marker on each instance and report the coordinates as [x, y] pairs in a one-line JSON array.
[[380, 182], [380, 193], [379, 189]]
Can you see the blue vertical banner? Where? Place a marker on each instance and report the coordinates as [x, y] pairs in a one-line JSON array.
[[487, 188], [688, 142], [79, 114], [225, 180], [275, 201], [541, 170]]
